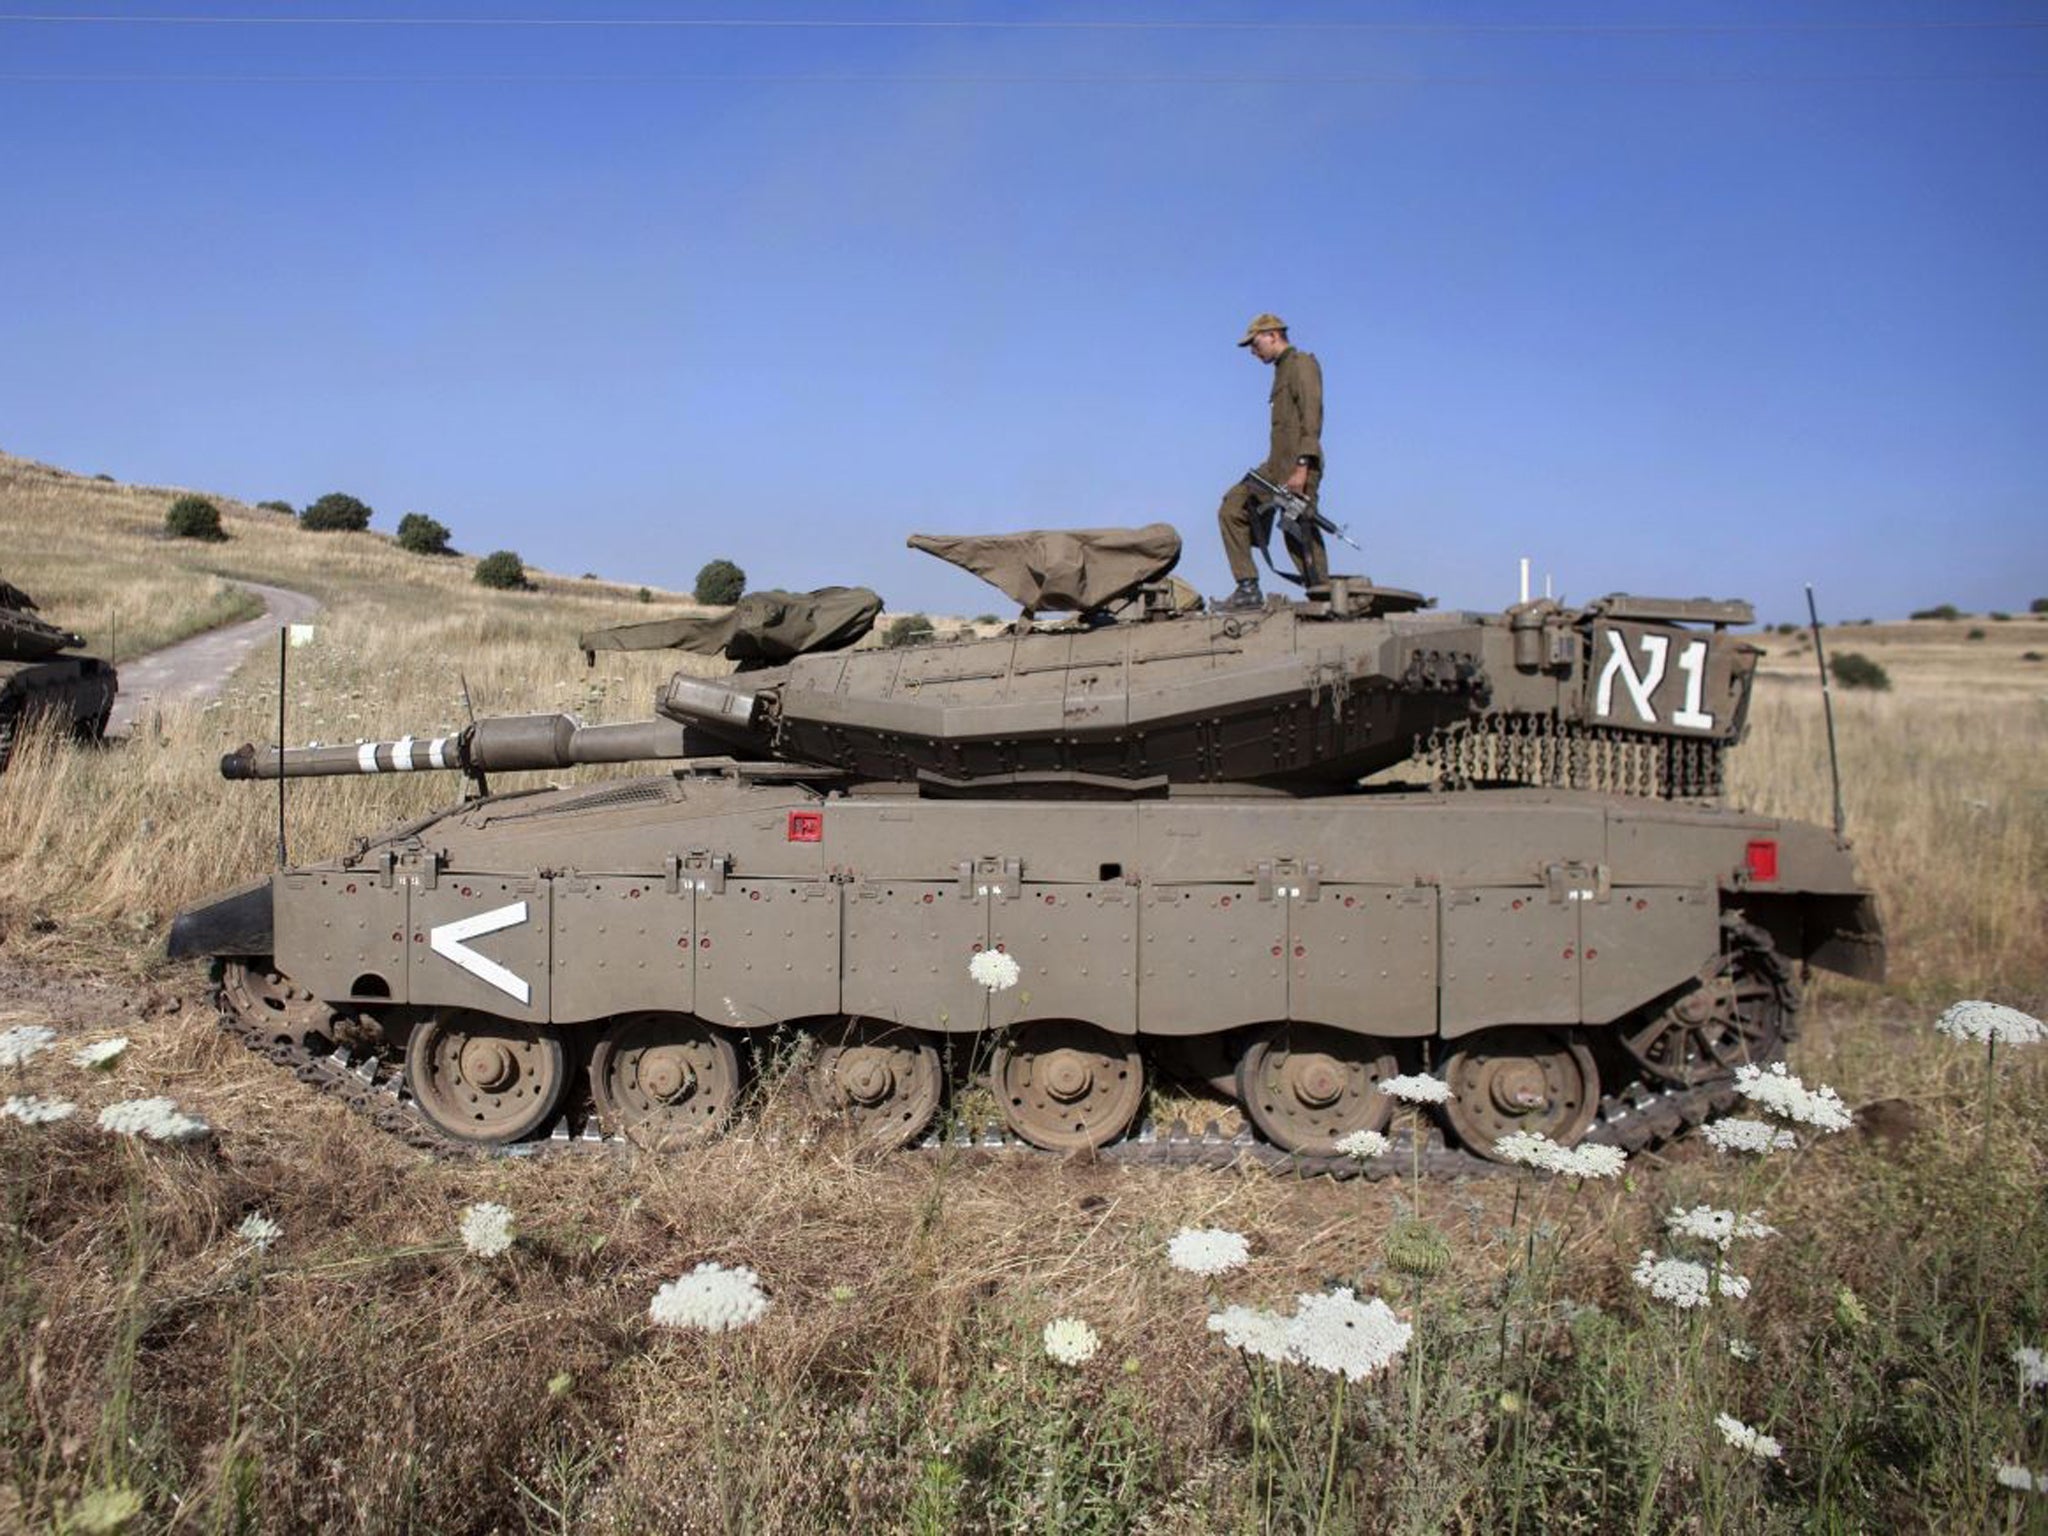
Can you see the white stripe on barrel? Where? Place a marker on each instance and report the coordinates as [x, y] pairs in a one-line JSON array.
[[435, 752], [401, 755], [366, 758]]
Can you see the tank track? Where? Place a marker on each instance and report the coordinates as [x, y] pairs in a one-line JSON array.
[[1638, 1119]]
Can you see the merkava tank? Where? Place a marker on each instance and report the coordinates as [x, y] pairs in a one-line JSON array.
[[1138, 840], [39, 675]]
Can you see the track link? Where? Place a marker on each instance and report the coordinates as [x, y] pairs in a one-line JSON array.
[[1638, 1119]]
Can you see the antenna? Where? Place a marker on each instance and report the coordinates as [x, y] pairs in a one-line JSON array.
[[284, 634], [1827, 702], [1525, 578]]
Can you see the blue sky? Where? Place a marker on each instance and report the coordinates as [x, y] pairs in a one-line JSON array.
[[1677, 298]]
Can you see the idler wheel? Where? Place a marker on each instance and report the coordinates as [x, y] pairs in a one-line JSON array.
[[274, 1007], [664, 1077], [1736, 1011], [1306, 1086], [883, 1078], [483, 1078], [1068, 1086], [1508, 1080]]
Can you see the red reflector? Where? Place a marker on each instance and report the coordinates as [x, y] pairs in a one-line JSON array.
[[807, 826], [1762, 858]]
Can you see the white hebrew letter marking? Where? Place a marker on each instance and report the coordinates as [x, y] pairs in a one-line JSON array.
[[1692, 661], [1639, 689]]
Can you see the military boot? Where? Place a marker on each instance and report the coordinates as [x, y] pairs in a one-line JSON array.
[[1246, 596]]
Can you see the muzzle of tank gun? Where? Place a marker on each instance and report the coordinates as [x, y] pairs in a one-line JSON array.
[[501, 744]]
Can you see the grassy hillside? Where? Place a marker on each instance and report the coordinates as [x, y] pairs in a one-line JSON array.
[[368, 1373]]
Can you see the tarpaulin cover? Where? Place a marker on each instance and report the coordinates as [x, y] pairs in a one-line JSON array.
[[765, 628], [1081, 569]]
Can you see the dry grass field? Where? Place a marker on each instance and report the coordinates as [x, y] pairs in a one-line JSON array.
[[366, 1372]]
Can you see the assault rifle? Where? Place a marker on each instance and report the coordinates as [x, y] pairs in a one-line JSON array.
[[1301, 523]]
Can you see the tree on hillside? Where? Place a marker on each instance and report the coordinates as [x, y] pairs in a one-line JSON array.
[[504, 570], [278, 506], [720, 582], [336, 512], [194, 517], [423, 535]]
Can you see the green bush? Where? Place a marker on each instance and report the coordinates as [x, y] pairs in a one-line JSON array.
[[644, 595], [1852, 669], [193, 517], [2000, 618], [423, 535], [1939, 611], [2032, 656], [278, 506], [504, 570], [2038, 605], [336, 512], [1974, 634], [907, 629], [986, 618], [721, 583]]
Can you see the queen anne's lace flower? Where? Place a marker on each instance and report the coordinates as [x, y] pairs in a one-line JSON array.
[[1071, 1341], [1748, 1136], [711, 1299], [1533, 1149], [2033, 1366], [1990, 1023], [1207, 1250], [2016, 1477], [1254, 1330], [1416, 1088], [1334, 1331], [23, 1041], [157, 1119], [1743, 1438], [1364, 1145], [101, 1053], [1720, 1228], [1778, 1091], [33, 1109], [1743, 1350], [259, 1231], [1685, 1284], [995, 970], [487, 1229], [1590, 1160]]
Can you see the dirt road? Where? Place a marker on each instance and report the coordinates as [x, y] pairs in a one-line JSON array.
[[197, 668]]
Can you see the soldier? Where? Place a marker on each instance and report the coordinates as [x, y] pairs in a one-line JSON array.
[[1294, 458]]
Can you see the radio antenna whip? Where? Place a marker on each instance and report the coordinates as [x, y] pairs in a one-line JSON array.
[[1827, 704], [284, 633]]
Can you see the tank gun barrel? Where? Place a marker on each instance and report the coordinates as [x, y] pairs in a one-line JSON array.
[[500, 744]]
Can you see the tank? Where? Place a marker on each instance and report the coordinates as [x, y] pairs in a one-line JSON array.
[[39, 675], [1277, 856]]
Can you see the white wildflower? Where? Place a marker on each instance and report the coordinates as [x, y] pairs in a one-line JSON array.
[[995, 970], [1748, 1136], [2016, 1477], [1253, 1330], [1718, 1227], [1416, 1088], [158, 1119], [1590, 1160], [1364, 1145], [1778, 1091], [21, 1042], [33, 1109], [711, 1299], [487, 1229], [1743, 1438], [2033, 1366], [1743, 1350], [1990, 1024], [1532, 1149], [1207, 1250], [1071, 1341], [1685, 1284], [259, 1231], [1334, 1331], [101, 1053]]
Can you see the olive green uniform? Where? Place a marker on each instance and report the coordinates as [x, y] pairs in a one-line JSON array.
[[1297, 434]]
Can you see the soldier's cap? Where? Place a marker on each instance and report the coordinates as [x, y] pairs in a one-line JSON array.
[[1265, 322]]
